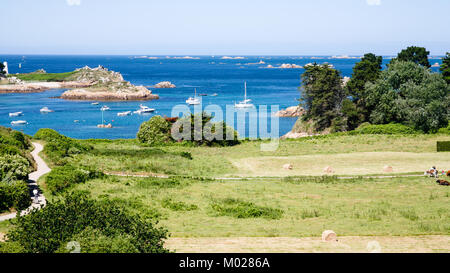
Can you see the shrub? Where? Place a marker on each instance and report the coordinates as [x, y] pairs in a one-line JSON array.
[[445, 130], [155, 131], [64, 177], [443, 146], [205, 132], [14, 167], [386, 129], [76, 215], [95, 241], [59, 147], [14, 195], [177, 205], [241, 209]]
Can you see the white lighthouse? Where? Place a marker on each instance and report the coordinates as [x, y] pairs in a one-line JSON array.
[[6, 67]]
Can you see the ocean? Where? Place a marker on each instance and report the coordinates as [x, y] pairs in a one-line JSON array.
[[208, 74]]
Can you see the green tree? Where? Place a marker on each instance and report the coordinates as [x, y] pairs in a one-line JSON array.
[[61, 221], [445, 67], [155, 131], [322, 95], [410, 94], [199, 129], [415, 54]]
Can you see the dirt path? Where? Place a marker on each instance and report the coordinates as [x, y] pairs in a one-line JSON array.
[[360, 244], [42, 168]]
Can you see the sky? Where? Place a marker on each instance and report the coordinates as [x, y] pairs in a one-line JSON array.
[[226, 27]]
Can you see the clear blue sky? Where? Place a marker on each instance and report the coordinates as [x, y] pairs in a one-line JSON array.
[[213, 27]]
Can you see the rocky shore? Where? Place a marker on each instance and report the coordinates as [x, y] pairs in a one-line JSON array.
[[293, 111], [40, 86], [85, 83], [137, 93], [165, 84]]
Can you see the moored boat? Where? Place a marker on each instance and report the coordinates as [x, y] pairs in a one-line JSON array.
[[122, 114], [46, 110], [18, 122], [16, 114]]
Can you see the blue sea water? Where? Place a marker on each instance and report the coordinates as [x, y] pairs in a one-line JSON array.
[[209, 74]]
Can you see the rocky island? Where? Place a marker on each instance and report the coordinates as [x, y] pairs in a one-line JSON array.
[[85, 83]]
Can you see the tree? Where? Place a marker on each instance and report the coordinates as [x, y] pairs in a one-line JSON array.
[[322, 95], [418, 55], [76, 216], [367, 70], [155, 131], [410, 94], [199, 129], [445, 67]]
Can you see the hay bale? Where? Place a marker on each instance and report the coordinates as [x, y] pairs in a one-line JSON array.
[[328, 169], [329, 236], [287, 166], [388, 169]]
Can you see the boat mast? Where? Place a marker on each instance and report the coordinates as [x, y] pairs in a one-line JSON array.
[[245, 94]]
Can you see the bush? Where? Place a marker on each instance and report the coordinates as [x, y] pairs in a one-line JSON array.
[[14, 167], [64, 177], [13, 142], [241, 209], [14, 195], [386, 129], [205, 133], [443, 146], [445, 130], [177, 206], [95, 241], [59, 147], [76, 216], [155, 131]]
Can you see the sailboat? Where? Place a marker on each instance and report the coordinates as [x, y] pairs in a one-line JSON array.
[[193, 100], [246, 102]]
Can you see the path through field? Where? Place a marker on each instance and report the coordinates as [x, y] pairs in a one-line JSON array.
[[42, 169]]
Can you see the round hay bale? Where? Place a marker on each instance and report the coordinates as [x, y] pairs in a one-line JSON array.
[[287, 166], [329, 236], [388, 169], [373, 247], [328, 169]]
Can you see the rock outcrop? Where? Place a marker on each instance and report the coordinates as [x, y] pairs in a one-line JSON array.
[[165, 84], [293, 111], [89, 84], [40, 86], [126, 93]]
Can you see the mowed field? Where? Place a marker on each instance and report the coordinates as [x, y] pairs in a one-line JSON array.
[[282, 210], [347, 155]]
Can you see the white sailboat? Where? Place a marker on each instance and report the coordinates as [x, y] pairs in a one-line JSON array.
[[246, 102], [193, 100], [105, 108]]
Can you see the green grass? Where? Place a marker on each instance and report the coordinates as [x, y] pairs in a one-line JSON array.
[[397, 206], [348, 155], [45, 77]]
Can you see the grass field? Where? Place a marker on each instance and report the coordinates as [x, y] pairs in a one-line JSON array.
[[303, 207], [347, 155], [44, 77], [406, 214]]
